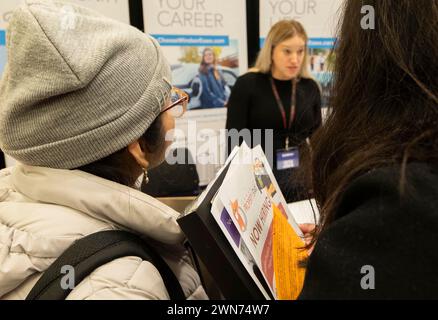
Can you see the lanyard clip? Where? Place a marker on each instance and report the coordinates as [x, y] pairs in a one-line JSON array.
[[287, 143]]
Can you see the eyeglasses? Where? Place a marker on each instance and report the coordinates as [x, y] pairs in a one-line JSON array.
[[178, 103]]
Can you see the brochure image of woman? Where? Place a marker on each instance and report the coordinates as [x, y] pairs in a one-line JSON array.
[[262, 178]]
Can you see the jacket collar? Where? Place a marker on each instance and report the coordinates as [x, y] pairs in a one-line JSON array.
[[102, 199]]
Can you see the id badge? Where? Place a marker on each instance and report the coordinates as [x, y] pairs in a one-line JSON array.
[[288, 159]]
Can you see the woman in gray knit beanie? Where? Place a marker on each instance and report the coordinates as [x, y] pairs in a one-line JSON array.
[[85, 105]]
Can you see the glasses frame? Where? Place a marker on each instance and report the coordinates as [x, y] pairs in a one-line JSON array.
[[184, 100]]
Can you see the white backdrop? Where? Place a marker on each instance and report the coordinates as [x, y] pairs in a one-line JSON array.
[[184, 25]]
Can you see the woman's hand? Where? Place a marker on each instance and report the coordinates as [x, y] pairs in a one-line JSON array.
[[307, 229]]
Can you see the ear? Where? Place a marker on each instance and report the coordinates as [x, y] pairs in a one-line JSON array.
[[138, 154]]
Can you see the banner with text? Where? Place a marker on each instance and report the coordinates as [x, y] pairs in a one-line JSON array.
[[205, 42]]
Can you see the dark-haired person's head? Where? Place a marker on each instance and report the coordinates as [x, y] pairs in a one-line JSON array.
[[384, 104]]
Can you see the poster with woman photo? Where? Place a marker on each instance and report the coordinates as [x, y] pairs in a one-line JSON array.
[[206, 73], [205, 43]]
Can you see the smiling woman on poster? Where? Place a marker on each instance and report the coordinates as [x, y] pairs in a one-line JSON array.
[[279, 94], [214, 91]]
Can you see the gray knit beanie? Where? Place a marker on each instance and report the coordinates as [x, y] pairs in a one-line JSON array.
[[77, 86]]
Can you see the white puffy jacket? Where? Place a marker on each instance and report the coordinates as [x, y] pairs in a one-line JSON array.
[[43, 211]]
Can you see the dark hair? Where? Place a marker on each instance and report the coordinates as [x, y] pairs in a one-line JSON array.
[[120, 166], [384, 102]]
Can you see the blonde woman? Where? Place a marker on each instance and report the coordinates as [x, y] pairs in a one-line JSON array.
[[279, 94]]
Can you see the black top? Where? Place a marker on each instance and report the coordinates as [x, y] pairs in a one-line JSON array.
[[2, 160], [252, 105], [377, 227]]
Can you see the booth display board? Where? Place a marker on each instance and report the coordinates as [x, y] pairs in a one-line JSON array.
[[319, 18], [205, 42], [115, 9]]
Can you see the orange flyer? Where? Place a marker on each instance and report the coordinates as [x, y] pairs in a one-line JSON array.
[[288, 251]]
